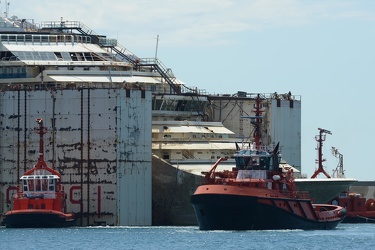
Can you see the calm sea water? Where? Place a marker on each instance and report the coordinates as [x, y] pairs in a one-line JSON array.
[[346, 236]]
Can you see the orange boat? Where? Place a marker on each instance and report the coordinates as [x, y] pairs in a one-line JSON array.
[[259, 194], [256, 195], [40, 201], [359, 209]]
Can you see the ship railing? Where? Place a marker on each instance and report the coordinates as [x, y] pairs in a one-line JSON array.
[[70, 25], [43, 39], [66, 25], [251, 146], [275, 95], [84, 28], [165, 73], [108, 42], [96, 38], [160, 64], [102, 41], [296, 194], [169, 76], [119, 50]]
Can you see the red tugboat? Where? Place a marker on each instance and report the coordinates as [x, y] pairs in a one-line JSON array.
[[259, 195], [41, 200], [358, 208]]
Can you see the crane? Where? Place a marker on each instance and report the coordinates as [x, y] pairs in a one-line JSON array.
[[339, 171]]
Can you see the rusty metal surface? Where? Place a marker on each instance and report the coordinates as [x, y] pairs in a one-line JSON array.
[[280, 123], [95, 139]]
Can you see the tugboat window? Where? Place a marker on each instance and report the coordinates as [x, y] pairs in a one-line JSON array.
[[247, 160], [38, 185], [51, 185], [31, 185], [44, 185], [255, 161], [25, 185]]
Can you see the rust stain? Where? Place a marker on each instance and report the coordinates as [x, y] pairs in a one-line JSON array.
[[14, 116]]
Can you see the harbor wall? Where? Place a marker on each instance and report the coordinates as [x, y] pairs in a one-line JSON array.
[[98, 139]]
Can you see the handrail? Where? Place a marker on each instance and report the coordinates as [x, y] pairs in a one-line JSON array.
[[44, 39], [67, 25]]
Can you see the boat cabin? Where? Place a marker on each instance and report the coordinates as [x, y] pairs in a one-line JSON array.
[[34, 186], [255, 160]]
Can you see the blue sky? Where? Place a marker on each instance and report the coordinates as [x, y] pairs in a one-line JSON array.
[[321, 50]]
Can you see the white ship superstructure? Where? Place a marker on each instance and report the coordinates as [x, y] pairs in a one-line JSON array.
[[192, 141]]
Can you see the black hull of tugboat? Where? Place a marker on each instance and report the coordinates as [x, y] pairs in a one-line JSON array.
[[37, 220], [235, 212]]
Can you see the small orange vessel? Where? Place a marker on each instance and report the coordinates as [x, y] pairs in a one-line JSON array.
[[359, 209], [40, 200]]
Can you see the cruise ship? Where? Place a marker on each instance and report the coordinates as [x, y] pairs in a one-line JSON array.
[[128, 137]]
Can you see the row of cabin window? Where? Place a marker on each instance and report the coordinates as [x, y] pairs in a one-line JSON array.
[[39, 185]]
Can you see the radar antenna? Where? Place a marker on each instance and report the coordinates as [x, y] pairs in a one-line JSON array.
[[6, 12], [320, 138]]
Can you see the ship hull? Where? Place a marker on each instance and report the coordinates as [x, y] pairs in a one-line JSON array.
[[173, 185], [36, 218], [324, 190], [239, 212]]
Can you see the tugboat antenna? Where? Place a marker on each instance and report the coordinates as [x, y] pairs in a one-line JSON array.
[[157, 45], [41, 131], [6, 9]]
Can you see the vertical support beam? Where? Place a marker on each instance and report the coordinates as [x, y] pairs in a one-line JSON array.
[[81, 161], [53, 123], [88, 157], [241, 119], [99, 200], [18, 134], [25, 133]]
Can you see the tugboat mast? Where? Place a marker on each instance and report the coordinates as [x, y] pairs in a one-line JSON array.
[[320, 138], [41, 164], [258, 122], [41, 131]]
